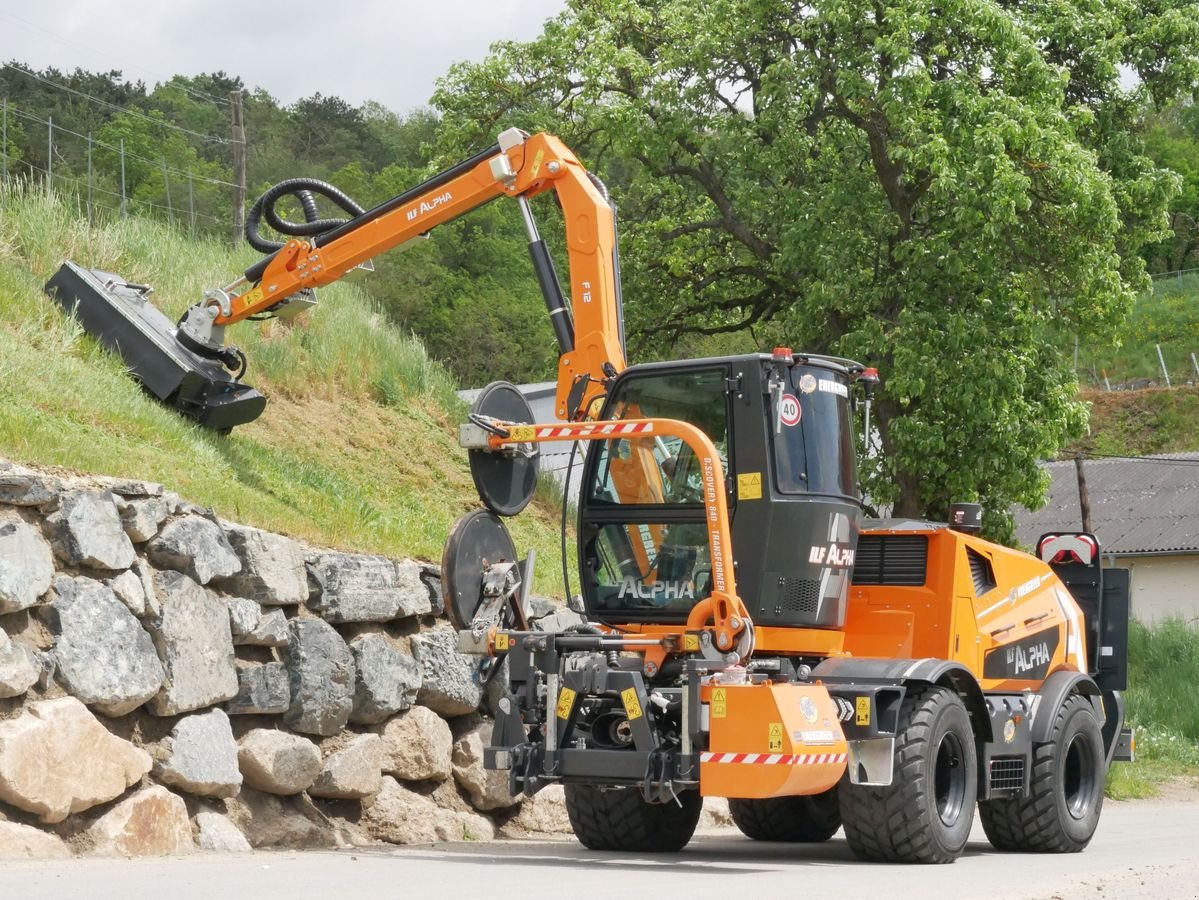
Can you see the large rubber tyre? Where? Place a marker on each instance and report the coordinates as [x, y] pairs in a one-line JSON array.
[[796, 820], [925, 814], [620, 819], [1065, 792]]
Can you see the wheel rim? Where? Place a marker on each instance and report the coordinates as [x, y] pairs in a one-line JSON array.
[[1078, 777], [949, 779]]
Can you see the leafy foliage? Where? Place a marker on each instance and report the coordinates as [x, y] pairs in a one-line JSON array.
[[936, 190]]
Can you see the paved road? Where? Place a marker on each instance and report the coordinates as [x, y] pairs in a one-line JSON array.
[[1143, 849]]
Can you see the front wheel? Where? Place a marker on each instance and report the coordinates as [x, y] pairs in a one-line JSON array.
[[924, 815], [621, 819], [1065, 793]]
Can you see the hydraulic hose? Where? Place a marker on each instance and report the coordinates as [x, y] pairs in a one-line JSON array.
[[306, 190]]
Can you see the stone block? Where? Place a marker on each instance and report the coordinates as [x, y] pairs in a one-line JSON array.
[[142, 517], [352, 771], [217, 834], [195, 645], [261, 690], [151, 822], [320, 671], [19, 667], [272, 567], [354, 588], [101, 653], [448, 682], [20, 486], [244, 616], [130, 590], [26, 563], [417, 746], [401, 816], [195, 546], [386, 679], [57, 759], [271, 630], [88, 531], [277, 762], [488, 790], [24, 842], [199, 756]]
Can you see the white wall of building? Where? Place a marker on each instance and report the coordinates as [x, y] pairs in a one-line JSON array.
[[1163, 586]]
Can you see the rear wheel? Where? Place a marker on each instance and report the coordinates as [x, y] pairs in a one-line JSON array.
[[1065, 792], [925, 814], [800, 820], [621, 819]]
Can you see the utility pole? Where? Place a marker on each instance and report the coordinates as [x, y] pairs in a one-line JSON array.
[[123, 206], [191, 206], [4, 141], [166, 183], [89, 176], [49, 155], [239, 167], [1084, 501]]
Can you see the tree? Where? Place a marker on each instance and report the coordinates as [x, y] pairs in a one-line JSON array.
[[1173, 141], [937, 189]]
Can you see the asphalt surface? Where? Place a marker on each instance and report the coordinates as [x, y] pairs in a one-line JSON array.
[[1142, 849]]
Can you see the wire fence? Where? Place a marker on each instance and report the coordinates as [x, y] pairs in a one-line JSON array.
[[107, 178]]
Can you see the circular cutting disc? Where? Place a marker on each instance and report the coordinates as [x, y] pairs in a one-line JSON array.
[[505, 483], [478, 539]]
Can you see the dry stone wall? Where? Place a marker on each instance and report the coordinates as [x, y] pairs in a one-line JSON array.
[[171, 682]]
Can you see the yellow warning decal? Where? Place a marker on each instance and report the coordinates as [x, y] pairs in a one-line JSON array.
[[501, 641], [691, 643], [718, 704], [249, 298], [749, 486], [774, 744], [863, 709], [522, 433], [537, 163], [631, 707], [566, 702]]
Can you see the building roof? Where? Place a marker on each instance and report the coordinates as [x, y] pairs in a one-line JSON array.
[[1139, 505]]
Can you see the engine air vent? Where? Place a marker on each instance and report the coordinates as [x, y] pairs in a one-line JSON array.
[[981, 572], [894, 559], [800, 595]]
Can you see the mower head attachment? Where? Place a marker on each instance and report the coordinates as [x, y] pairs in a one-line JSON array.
[[123, 319]]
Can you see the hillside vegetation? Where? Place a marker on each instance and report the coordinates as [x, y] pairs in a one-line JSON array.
[[356, 448]]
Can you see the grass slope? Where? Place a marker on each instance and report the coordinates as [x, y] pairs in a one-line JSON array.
[[356, 449], [1138, 423]]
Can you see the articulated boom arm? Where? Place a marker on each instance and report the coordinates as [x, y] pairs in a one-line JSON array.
[[519, 166]]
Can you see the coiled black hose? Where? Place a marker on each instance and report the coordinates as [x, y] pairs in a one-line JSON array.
[[306, 191]]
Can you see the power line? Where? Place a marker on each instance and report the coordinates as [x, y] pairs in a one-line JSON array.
[[1172, 460], [117, 107], [195, 92]]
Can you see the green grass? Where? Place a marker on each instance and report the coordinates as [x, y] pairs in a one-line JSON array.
[[1163, 706], [1168, 316], [356, 450], [1137, 423]]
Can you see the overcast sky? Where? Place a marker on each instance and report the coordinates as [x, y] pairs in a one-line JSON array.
[[386, 50]]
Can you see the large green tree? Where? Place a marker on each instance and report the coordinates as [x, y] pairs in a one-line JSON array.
[[939, 189]]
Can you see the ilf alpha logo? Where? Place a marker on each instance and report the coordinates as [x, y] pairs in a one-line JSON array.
[[427, 206], [1027, 658], [659, 593], [834, 555]]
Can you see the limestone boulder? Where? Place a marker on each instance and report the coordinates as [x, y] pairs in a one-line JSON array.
[[417, 746], [448, 682], [271, 630], [102, 654], [487, 789], [244, 616], [142, 517], [195, 645], [217, 834], [402, 816], [26, 563], [24, 842], [195, 546], [352, 771], [57, 759], [320, 671], [262, 689], [355, 588], [88, 531], [272, 567], [20, 486], [269, 821], [19, 669], [151, 822], [544, 813], [200, 756], [130, 590], [277, 762], [386, 680]]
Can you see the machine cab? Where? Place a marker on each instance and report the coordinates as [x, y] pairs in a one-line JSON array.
[[783, 429]]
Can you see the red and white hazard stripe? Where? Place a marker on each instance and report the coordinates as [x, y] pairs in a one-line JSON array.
[[775, 759], [612, 428]]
